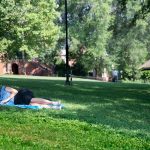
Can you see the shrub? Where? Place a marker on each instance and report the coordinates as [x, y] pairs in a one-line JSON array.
[[145, 75]]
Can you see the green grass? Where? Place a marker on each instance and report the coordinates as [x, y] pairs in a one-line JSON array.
[[98, 115]]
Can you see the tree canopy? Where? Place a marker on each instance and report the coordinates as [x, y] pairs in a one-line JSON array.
[[102, 33], [29, 26]]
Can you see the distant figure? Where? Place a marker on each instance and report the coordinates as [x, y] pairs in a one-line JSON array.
[[114, 76]]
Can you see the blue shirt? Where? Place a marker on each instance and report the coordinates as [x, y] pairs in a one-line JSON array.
[[5, 94]]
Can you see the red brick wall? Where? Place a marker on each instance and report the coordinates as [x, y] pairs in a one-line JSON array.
[[2, 68], [34, 68], [28, 68]]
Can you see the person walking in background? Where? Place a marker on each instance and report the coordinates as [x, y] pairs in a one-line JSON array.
[[114, 75]]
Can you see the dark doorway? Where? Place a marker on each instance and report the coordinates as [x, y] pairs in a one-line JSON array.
[[15, 69]]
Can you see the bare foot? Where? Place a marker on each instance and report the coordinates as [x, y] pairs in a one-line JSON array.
[[56, 103]]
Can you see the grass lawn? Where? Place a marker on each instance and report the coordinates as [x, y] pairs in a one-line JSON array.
[[98, 115]]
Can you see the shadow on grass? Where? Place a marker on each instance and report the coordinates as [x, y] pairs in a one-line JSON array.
[[123, 107]]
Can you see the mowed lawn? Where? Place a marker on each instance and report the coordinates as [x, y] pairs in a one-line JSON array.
[[97, 116]]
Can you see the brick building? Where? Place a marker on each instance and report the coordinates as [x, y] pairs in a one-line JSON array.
[[21, 67]]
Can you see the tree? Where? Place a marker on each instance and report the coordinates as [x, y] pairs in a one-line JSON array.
[[88, 30], [127, 46], [28, 26]]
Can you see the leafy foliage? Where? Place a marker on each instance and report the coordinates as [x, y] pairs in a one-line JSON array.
[[145, 75], [28, 26], [127, 46], [88, 31], [102, 34]]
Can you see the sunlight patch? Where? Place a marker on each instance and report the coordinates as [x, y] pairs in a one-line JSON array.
[[127, 99], [76, 106], [145, 104]]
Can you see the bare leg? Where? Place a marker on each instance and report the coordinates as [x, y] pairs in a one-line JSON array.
[[46, 106], [43, 106], [43, 101]]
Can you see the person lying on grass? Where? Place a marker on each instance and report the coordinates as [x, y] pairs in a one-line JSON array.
[[23, 97]]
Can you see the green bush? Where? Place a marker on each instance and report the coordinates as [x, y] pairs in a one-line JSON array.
[[60, 69], [145, 75]]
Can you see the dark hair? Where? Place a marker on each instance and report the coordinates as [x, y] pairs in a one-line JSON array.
[[23, 97]]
